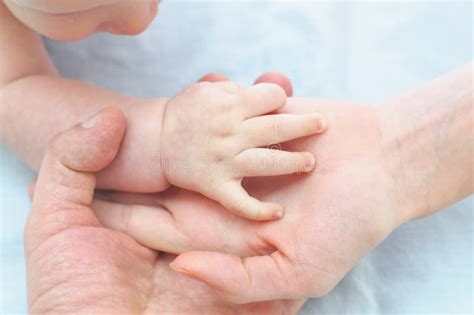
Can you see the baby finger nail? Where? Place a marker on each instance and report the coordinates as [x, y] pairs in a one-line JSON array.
[[320, 124], [310, 162]]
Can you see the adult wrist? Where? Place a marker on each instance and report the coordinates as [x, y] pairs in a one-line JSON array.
[[399, 160], [428, 141]]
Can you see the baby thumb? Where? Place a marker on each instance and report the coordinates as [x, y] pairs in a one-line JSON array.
[[65, 185]]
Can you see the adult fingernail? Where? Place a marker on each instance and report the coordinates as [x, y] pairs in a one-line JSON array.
[[183, 271], [91, 122], [174, 267]]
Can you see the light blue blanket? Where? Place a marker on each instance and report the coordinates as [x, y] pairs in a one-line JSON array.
[[344, 50]]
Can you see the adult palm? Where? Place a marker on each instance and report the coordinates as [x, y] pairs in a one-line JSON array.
[[75, 264], [333, 217]]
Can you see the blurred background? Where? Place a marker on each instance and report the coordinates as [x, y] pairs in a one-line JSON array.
[[360, 51]]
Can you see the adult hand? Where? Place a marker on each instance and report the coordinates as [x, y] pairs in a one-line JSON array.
[[332, 217], [74, 264], [116, 208], [376, 169]]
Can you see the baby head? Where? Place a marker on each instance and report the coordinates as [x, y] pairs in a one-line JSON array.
[[77, 19]]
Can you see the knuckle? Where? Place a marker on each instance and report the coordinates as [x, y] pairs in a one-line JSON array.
[[223, 148], [227, 107], [222, 128], [238, 206], [276, 128], [240, 160], [203, 86], [232, 87], [199, 89], [277, 93], [237, 167]]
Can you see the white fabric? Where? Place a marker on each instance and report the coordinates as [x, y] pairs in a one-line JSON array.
[[344, 50]]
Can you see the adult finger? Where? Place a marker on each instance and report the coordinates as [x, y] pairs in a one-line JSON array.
[[245, 280], [151, 226], [66, 181], [199, 223]]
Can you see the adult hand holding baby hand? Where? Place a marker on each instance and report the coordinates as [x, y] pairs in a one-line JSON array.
[[75, 264], [333, 217], [379, 166]]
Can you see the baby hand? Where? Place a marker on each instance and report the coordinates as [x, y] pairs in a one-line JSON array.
[[212, 137]]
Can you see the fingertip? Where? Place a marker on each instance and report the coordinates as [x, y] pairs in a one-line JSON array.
[[217, 270], [93, 144], [314, 124], [235, 199], [272, 92], [267, 211], [272, 88], [214, 77], [309, 161], [173, 266], [185, 272], [193, 264], [239, 280], [110, 114], [65, 177], [278, 215], [277, 78], [320, 122], [276, 211]]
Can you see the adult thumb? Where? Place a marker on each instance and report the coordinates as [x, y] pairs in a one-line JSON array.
[[242, 280], [66, 181]]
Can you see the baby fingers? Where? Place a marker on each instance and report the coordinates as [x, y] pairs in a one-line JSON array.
[[261, 99], [233, 197], [267, 162], [270, 129]]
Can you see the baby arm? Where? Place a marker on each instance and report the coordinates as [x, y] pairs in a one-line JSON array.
[[214, 125], [36, 104]]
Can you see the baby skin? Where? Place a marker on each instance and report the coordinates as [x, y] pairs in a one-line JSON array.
[[206, 139], [213, 135]]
